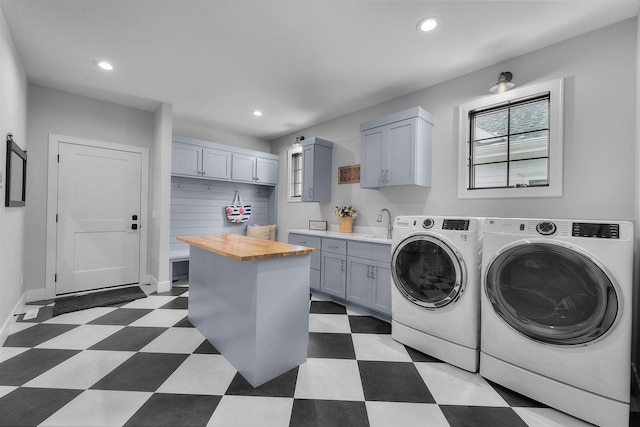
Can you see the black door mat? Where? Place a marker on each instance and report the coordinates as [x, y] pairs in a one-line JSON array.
[[97, 299]]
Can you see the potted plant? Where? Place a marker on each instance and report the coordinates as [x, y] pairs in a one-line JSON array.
[[346, 215]]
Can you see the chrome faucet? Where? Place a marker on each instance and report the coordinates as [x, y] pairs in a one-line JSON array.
[[389, 226]]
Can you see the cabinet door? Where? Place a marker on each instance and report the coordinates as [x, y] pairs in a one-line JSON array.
[[243, 167], [333, 275], [186, 159], [266, 171], [400, 153], [381, 286], [371, 158], [216, 164], [359, 281], [307, 173]]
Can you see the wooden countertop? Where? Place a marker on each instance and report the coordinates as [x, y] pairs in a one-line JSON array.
[[243, 248]]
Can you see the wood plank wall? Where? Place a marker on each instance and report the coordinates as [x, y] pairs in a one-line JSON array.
[[197, 207]]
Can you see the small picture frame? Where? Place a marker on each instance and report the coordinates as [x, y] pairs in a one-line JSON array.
[[349, 174], [317, 225]]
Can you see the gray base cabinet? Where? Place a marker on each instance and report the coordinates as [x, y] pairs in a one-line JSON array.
[[352, 271], [316, 257]]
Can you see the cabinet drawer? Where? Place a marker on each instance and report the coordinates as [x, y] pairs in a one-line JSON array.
[[374, 251], [335, 246], [304, 240]]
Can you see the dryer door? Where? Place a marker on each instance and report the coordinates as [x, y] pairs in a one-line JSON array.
[[428, 272], [551, 293]]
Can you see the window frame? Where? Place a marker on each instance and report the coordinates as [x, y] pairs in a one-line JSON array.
[[290, 153], [555, 150]]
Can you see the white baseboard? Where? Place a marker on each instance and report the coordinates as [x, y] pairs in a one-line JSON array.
[[6, 327]]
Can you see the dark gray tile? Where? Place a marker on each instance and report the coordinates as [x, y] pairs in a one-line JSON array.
[[26, 366], [174, 291], [327, 307], [333, 346], [328, 413], [184, 323], [206, 348], [36, 335], [179, 303], [175, 410], [129, 338], [30, 406], [481, 416], [393, 382], [281, 386], [368, 325], [121, 316], [418, 356], [515, 399], [141, 372]]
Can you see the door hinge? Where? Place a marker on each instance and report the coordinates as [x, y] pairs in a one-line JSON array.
[[55, 277], [58, 158], [56, 217]]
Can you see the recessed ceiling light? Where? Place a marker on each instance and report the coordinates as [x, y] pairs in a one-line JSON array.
[[105, 65], [257, 113], [428, 24]]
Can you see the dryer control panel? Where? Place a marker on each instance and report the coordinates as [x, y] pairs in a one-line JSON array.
[[589, 229]]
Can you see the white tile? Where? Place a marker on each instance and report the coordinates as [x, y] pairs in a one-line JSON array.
[[353, 311], [7, 353], [99, 408], [330, 379], [81, 317], [252, 411], [453, 386], [151, 301], [4, 390], [163, 318], [185, 295], [175, 340], [385, 414], [379, 347], [334, 323], [81, 338], [82, 370], [208, 374], [547, 417]]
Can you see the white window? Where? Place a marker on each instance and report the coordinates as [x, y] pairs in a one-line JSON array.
[[294, 172], [511, 144]]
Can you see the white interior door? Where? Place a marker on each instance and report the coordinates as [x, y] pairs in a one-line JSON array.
[[98, 237]]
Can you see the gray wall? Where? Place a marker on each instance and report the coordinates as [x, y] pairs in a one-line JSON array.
[[13, 118], [53, 111], [599, 139], [191, 130]]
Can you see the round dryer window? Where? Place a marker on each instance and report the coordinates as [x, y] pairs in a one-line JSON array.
[[551, 294], [427, 271]]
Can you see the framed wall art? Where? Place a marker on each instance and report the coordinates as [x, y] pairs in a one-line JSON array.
[[349, 174]]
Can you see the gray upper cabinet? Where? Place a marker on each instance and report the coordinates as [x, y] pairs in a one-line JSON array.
[[316, 170], [396, 150], [255, 169], [192, 160]]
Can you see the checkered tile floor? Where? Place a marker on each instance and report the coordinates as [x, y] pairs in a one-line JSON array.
[[143, 364]]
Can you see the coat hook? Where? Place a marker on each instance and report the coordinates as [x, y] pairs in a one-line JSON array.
[[180, 185], [210, 187]]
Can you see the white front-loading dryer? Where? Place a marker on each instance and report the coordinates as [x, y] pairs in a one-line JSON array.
[[556, 313], [436, 286]]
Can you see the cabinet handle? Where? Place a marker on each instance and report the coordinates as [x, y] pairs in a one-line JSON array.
[[381, 177], [204, 173], [332, 246], [386, 175], [341, 265], [310, 193], [368, 271], [373, 275], [302, 242]]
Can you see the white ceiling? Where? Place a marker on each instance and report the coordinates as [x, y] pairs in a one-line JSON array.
[[301, 62]]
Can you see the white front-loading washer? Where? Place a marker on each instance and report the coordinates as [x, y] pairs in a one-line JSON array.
[[435, 297], [556, 313]]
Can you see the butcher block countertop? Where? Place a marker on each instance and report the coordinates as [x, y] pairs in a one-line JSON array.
[[243, 248]]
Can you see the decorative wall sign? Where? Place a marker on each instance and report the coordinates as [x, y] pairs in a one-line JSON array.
[[317, 225], [349, 174]]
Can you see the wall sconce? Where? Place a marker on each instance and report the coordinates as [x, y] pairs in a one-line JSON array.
[[504, 83], [297, 143]]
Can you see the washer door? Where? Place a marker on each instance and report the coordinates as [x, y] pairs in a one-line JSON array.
[[427, 271], [551, 294]]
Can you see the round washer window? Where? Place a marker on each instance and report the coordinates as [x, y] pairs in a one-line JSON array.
[[552, 294], [427, 272]]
